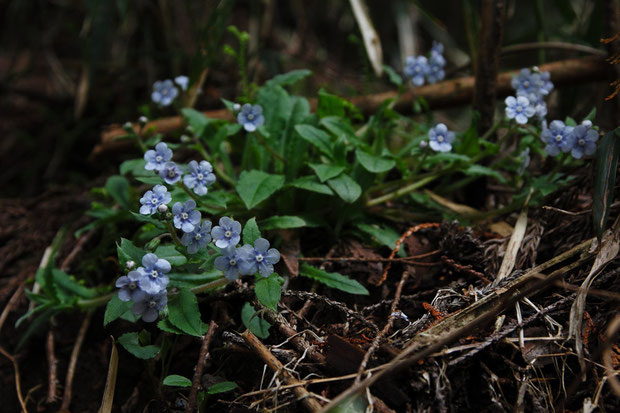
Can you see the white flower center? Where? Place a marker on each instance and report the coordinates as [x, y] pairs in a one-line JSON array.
[[581, 142], [132, 286], [259, 257], [171, 173], [200, 177], [228, 234], [184, 215], [232, 262], [154, 201], [558, 138], [197, 236], [251, 116], [159, 158], [164, 92], [152, 304], [526, 84], [440, 139], [519, 108], [154, 274]]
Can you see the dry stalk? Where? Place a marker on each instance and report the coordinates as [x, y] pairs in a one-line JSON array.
[[204, 351], [66, 398]]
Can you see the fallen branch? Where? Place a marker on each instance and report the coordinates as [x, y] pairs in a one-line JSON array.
[[449, 93]]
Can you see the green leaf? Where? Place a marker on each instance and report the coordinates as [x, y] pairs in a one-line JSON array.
[[149, 219], [251, 232], [150, 180], [607, 155], [384, 235], [317, 138], [268, 291], [131, 343], [129, 252], [258, 326], [256, 186], [333, 105], [68, 288], [346, 188], [374, 164], [289, 78], [447, 157], [183, 313], [287, 221], [170, 254], [136, 167], [222, 387], [333, 279], [479, 170], [309, 183], [177, 381], [118, 188], [326, 172], [168, 327], [341, 128], [394, 77], [197, 120]]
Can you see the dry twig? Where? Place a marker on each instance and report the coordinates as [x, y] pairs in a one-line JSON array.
[[66, 398], [204, 350]]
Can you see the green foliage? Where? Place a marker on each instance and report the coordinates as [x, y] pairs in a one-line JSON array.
[[115, 308], [333, 280], [250, 231], [268, 291], [251, 320], [177, 381], [138, 345], [184, 314], [256, 186], [607, 156], [222, 387]]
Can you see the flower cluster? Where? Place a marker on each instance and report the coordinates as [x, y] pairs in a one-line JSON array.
[[165, 91], [245, 260], [531, 86], [146, 287], [430, 69], [578, 140]]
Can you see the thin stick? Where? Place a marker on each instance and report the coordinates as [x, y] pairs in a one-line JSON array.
[[386, 328], [306, 398], [204, 351], [52, 362], [12, 301], [18, 387], [79, 246], [66, 398]]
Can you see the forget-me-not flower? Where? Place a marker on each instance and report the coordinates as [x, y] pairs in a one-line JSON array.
[[148, 305], [440, 138], [154, 271], [171, 173], [436, 64], [198, 238], [164, 92], [557, 137], [157, 158], [186, 216], [226, 234], [151, 200], [416, 68], [229, 262], [583, 139], [182, 81], [251, 117], [258, 258], [129, 285], [199, 177], [519, 109]]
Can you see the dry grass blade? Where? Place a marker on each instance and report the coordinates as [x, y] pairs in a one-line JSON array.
[[371, 39], [609, 247], [110, 383]]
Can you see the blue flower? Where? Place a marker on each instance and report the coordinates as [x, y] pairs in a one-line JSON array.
[[151, 200], [164, 92], [519, 109], [156, 159], [229, 262], [251, 117], [437, 48], [129, 285], [557, 137], [149, 305], [171, 173], [199, 177], [583, 139], [227, 234], [528, 83], [182, 81], [258, 258], [154, 273], [440, 138], [198, 238], [186, 217], [436, 64], [416, 68]]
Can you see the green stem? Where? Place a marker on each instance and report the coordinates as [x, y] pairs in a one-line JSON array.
[[140, 142], [210, 286], [219, 172], [272, 151], [173, 233], [419, 165], [403, 191]]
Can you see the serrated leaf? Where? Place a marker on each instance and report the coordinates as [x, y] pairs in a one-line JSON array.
[[115, 308], [132, 344], [317, 138], [250, 231], [480, 170], [118, 188], [607, 155], [333, 279], [222, 387], [309, 183], [346, 188], [326, 172], [183, 313], [289, 78], [129, 252], [170, 254], [287, 221], [268, 291], [375, 164], [256, 186], [177, 381], [258, 326]]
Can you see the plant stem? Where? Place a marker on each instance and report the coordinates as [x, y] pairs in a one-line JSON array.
[[173, 233], [261, 139], [402, 191], [210, 286]]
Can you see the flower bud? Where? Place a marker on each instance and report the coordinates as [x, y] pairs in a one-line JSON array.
[[163, 208], [423, 144], [142, 120], [130, 265], [587, 123], [236, 107], [185, 138], [189, 129], [128, 127]]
